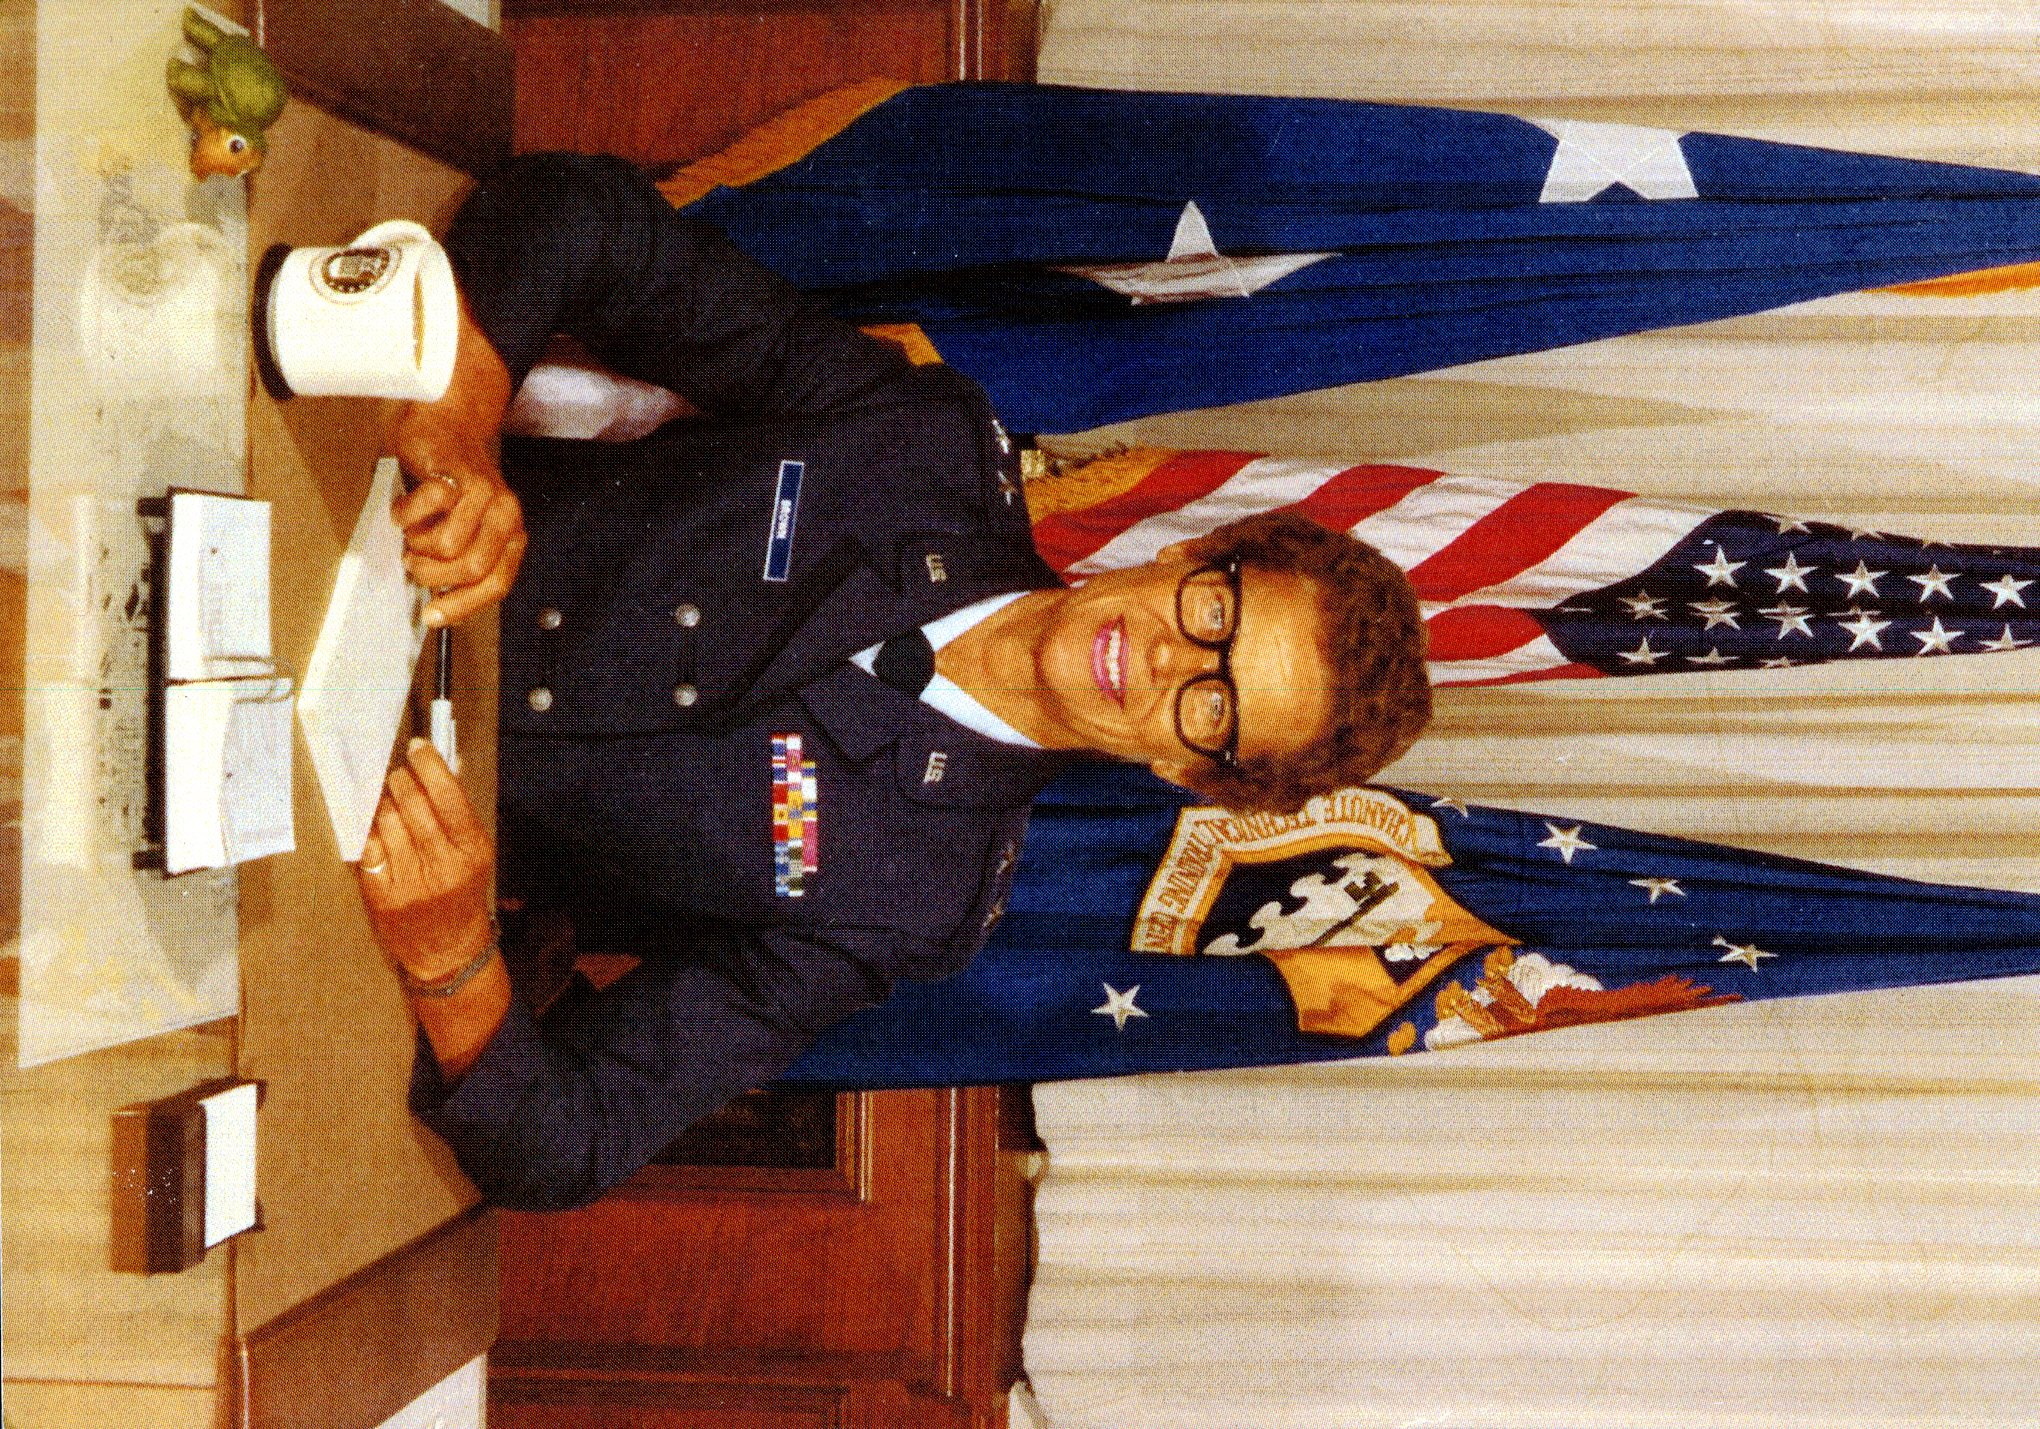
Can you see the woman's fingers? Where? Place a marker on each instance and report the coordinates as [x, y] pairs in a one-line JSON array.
[[485, 561], [401, 878], [453, 814], [432, 498]]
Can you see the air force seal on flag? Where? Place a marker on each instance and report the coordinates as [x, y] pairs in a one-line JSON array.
[[1338, 897], [1341, 898]]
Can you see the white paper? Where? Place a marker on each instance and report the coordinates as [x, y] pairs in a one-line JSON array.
[[255, 797], [229, 1162], [227, 772], [216, 596], [355, 689]]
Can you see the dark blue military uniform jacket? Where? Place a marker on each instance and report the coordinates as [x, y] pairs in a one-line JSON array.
[[686, 599]]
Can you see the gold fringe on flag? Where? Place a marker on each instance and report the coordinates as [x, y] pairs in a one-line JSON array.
[[908, 338], [1075, 483], [787, 139], [1969, 285], [784, 139]]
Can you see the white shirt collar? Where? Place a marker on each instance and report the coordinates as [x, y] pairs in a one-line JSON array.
[[946, 695]]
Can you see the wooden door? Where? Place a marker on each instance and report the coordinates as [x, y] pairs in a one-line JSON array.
[[883, 1288]]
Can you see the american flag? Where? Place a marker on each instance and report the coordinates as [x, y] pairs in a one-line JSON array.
[[1553, 580]]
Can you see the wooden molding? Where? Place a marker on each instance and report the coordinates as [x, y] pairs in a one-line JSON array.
[[995, 39], [687, 1401], [989, 39], [848, 1178], [358, 1352], [413, 69]]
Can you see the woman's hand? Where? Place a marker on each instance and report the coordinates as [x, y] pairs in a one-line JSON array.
[[427, 869], [463, 527]]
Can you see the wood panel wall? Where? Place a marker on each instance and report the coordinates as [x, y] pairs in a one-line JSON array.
[[664, 83], [417, 71]]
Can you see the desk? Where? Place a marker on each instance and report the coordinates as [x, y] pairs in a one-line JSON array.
[[359, 1204]]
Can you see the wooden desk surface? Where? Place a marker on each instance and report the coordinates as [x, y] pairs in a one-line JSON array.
[[345, 1176]]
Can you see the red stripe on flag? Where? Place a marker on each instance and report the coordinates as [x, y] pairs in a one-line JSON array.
[[1069, 536], [1513, 537], [1551, 672], [1479, 632], [1359, 491]]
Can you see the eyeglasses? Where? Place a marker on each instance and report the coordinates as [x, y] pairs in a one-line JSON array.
[[1208, 707]]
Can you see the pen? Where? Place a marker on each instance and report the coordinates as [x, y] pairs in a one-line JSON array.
[[442, 703], [442, 730]]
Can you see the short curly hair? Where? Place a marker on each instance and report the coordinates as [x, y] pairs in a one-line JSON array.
[[1375, 633]]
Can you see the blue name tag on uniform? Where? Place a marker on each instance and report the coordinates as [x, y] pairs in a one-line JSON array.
[[785, 507]]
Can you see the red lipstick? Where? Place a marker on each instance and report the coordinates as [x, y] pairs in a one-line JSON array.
[[1108, 660]]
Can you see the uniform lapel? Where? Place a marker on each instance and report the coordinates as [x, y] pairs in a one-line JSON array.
[[924, 576], [934, 759]]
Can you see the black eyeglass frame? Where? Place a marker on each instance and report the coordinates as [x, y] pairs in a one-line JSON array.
[[1227, 755]]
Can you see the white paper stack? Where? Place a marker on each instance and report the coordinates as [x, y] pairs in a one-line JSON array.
[[359, 680], [230, 1159], [226, 772], [226, 711], [218, 607]]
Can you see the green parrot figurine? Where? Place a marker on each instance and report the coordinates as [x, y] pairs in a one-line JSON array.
[[229, 99]]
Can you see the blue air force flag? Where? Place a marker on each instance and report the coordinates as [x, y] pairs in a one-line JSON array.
[[1144, 933], [1095, 255]]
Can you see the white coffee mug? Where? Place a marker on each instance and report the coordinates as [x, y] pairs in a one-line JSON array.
[[379, 317]]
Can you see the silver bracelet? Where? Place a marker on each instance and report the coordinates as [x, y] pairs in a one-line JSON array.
[[448, 986]]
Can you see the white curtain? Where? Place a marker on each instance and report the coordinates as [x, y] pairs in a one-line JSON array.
[[1817, 1212]]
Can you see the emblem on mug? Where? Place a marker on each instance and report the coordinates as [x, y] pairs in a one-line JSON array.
[[351, 272]]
